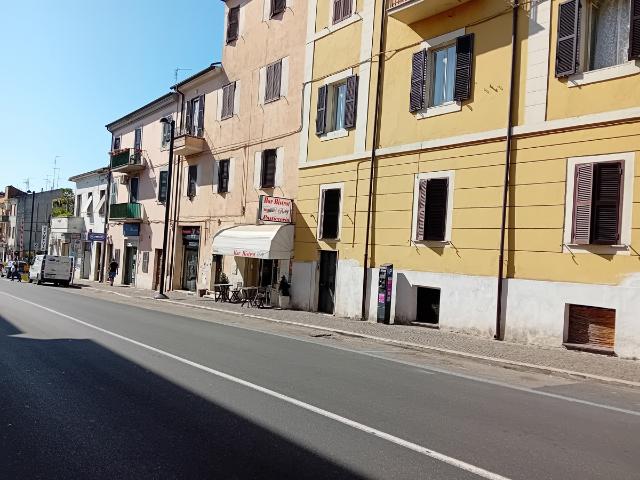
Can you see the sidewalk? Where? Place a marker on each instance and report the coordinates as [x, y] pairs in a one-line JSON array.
[[511, 355]]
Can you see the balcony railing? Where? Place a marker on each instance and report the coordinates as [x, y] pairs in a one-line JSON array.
[[126, 212], [189, 141], [127, 160], [411, 11]]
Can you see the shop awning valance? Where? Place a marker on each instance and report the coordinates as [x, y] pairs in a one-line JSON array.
[[268, 242]]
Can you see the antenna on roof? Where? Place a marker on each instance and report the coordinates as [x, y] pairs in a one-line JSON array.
[[178, 69], [26, 183], [55, 170]]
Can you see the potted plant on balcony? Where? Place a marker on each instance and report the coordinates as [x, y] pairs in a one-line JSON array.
[[283, 293]]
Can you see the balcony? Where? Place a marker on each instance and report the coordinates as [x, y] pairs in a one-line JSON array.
[[411, 11], [127, 160], [126, 212], [64, 225], [186, 144]]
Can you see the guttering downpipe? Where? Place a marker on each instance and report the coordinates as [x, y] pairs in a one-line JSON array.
[[376, 141], [175, 198], [507, 171]]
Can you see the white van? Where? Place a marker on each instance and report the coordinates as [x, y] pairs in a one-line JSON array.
[[51, 268]]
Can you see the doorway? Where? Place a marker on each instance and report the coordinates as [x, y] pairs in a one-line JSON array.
[[133, 190], [190, 269], [157, 267], [130, 255], [327, 284], [86, 261], [428, 308], [97, 264]]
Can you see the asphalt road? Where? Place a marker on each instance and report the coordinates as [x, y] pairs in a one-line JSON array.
[[95, 389]]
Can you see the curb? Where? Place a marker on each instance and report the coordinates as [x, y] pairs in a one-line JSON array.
[[413, 346]]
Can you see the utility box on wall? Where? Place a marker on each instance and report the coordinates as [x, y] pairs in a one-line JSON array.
[[385, 288]]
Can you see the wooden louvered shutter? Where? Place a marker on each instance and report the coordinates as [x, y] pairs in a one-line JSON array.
[[337, 10], [278, 6], [583, 189], [274, 75], [268, 89], [321, 112], [351, 102], [606, 203], [416, 95], [232, 24], [422, 202], [188, 118], [464, 68], [568, 38], [346, 8], [200, 131], [634, 31], [435, 222]]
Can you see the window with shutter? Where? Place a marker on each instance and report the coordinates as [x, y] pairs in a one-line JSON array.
[[330, 214], [188, 124], [422, 202], [342, 9], [228, 94], [192, 180], [634, 31], [166, 132], [277, 7], [137, 142], [351, 102], [223, 176], [273, 82], [233, 19], [597, 203], [463, 68], [199, 131], [568, 38], [435, 213], [416, 93], [162, 186], [116, 143], [268, 170], [321, 112]]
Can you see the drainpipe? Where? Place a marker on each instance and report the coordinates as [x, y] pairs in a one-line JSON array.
[[105, 230], [376, 141], [175, 198], [507, 170]]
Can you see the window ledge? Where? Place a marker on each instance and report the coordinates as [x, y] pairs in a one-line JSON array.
[[593, 76], [439, 110], [335, 134], [431, 243], [355, 17], [596, 248]]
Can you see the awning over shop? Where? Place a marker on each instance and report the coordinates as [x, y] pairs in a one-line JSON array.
[[268, 242]]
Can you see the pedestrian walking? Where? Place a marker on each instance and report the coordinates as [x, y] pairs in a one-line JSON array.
[[113, 270], [13, 271]]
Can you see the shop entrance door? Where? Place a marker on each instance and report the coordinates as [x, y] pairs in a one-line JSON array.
[[327, 284], [190, 269], [130, 254]]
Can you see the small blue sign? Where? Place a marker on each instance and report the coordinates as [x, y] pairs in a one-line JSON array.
[[96, 237], [131, 229]]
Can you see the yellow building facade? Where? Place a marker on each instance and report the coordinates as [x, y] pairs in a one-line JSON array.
[[551, 89]]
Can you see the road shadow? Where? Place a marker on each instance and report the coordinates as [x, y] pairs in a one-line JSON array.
[[71, 408]]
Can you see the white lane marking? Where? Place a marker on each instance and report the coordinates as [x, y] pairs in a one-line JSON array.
[[306, 406], [426, 368]]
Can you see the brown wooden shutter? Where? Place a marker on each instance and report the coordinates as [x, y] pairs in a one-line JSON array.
[[634, 31], [223, 176], [337, 10], [228, 94], [346, 8], [583, 189], [278, 6], [188, 118], [232, 24], [351, 102], [200, 131], [268, 171], [416, 95], [568, 38], [422, 202], [321, 112], [276, 75], [436, 209], [464, 68], [607, 203], [321, 214], [268, 89]]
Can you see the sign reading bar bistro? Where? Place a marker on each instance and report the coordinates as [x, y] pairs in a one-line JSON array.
[[275, 209]]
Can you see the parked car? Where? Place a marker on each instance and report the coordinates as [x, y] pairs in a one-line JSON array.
[[53, 269]]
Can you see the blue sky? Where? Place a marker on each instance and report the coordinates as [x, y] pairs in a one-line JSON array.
[[69, 67]]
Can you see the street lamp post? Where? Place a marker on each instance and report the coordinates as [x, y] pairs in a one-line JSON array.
[[161, 295], [33, 199]]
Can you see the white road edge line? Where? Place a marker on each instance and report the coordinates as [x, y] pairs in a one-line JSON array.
[[306, 406]]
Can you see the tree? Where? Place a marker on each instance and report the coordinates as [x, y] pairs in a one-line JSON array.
[[63, 206]]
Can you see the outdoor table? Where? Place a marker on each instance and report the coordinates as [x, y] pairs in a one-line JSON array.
[[235, 296], [249, 295], [221, 292]]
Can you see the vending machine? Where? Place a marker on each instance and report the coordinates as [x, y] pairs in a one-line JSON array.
[[385, 288]]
